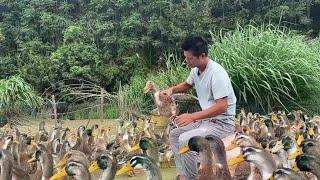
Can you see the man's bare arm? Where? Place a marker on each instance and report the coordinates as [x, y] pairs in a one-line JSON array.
[[219, 108], [180, 88]]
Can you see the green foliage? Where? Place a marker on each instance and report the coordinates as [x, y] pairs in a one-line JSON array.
[[268, 65], [108, 42], [16, 97], [110, 112], [15, 92]]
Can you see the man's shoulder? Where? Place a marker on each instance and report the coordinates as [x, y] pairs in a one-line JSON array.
[[216, 67]]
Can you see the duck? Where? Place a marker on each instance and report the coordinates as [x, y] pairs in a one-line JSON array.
[[8, 170], [309, 146], [107, 163], [148, 147], [142, 161], [78, 157], [261, 158], [288, 144], [46, 161], [286, 174], [308, 163], [165, 105], [206, 147], [73, 155], [74, 169], [171, 106], [201, 146]]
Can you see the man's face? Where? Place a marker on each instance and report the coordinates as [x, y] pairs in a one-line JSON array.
[[191, 60]]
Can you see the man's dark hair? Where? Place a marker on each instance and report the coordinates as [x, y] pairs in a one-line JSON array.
[[196, 44]]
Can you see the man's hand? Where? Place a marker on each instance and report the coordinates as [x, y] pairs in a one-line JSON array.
[[184, 119], [167, 92]]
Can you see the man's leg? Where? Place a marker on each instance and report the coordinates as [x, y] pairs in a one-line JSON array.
[[190, 160], [174, 142]]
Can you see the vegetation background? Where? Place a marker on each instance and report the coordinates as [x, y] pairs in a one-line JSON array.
[[270, 48]]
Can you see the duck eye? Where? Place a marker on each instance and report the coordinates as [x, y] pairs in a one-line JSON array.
[[103, 157]]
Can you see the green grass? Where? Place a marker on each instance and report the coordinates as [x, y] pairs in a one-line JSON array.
[[269, 66], [111, 111]]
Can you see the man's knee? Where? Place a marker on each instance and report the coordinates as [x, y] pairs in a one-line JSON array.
[[183, 139], [174, 134]]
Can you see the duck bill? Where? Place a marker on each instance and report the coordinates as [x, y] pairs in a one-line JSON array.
[[95, 133], [184, 150], [62, 173], [295, 167], [134, 148], [61, 163], [231, 146], [124, 169], [271, 177], [236, 160], [311, 132], [300, 139], [94, 167], [274, 118], [33, 159], [295, 154], [34, 143]]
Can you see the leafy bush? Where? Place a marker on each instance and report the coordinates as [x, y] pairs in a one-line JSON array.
[[16, 97]]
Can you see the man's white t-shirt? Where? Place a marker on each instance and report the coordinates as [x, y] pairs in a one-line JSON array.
[[214, 83]]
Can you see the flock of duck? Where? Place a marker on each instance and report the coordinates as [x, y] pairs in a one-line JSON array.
[[273, 146]]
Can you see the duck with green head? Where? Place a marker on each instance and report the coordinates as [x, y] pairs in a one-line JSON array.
[[107, 163], [308, 163], [148, 147], [142, 161]]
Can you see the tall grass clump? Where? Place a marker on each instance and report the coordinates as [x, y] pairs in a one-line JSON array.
[[269, 66], [16, 98], [133, 97]]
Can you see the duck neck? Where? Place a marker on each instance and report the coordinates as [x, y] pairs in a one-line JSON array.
[[82, 176], [266, 167], [110, 172], [152, 172], [316, 172], [47, 165], [6, 170], [154, 153], [206, 163], [219, 153]]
